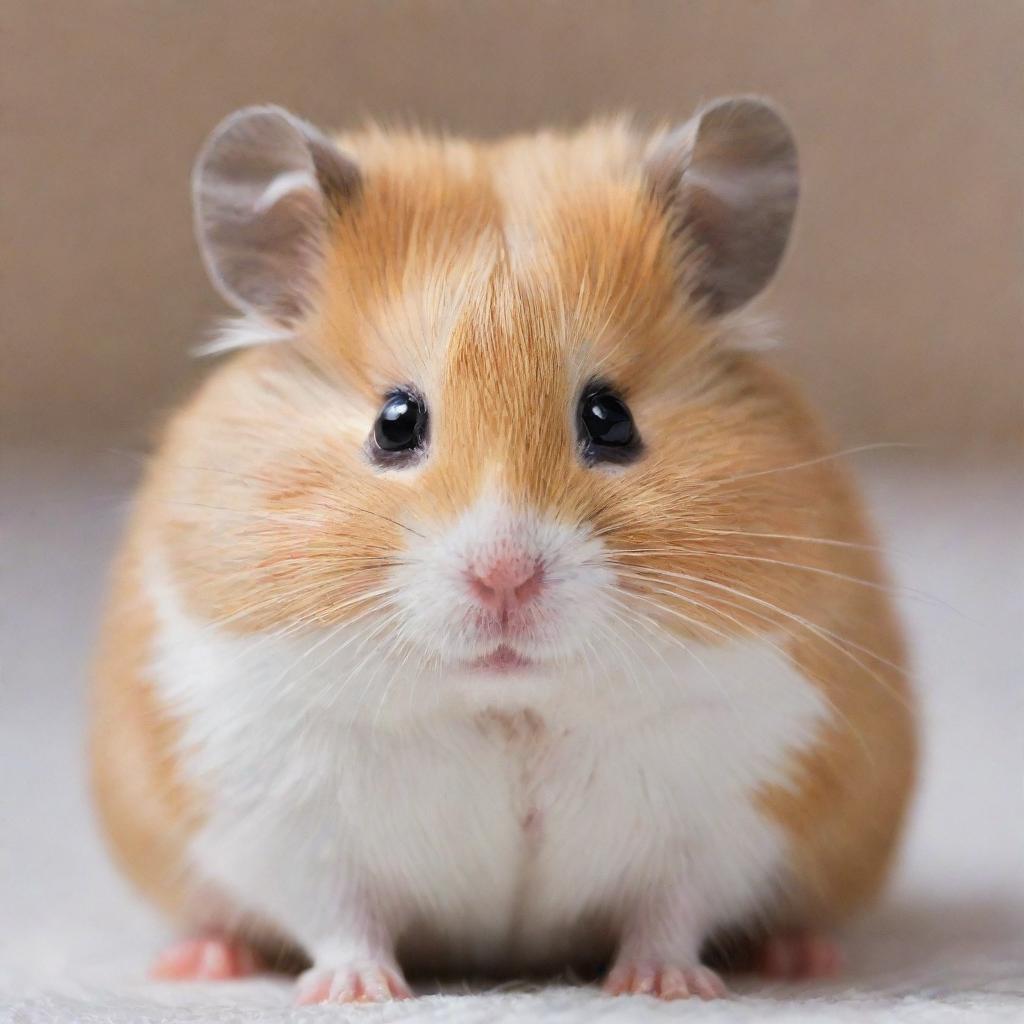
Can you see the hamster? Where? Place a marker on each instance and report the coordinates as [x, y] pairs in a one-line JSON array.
[[493, 608]]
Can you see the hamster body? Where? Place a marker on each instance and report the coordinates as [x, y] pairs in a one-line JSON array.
[[493, 611]]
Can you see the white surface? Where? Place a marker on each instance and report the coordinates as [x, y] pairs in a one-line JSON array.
[[947, 945]]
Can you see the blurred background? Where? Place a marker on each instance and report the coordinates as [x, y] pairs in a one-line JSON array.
[[901, 295], [900, 306]]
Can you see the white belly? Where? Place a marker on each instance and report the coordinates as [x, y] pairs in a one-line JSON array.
[[488, 821]]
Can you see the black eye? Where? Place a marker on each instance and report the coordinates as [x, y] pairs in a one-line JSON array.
[[401, 425], [607, 431]]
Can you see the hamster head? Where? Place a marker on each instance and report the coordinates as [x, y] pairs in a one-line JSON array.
[[501, 422]]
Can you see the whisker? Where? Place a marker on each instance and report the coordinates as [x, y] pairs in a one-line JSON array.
[[893, 589], [875, 446], [779, 654], [362, 664], [331, 634], [761, 602], [828, 541], [700, 661], [276, 516], [832, 639], [398, 670], [820, 570], [316, 592], [627, 664]]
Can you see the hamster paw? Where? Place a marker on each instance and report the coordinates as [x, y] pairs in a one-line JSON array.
[[365, 982], [798, 956], [664, 981], [208, 958]]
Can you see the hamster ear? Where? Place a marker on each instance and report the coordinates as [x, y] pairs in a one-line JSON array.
[[729, 179], [262, 188]]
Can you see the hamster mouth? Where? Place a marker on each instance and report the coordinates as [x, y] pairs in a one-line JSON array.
[[502, 660]]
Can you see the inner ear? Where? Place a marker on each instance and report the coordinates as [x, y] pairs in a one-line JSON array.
[[263, 187], [729, 180]]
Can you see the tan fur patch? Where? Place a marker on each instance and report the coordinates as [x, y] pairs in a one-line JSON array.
[[147, 811]]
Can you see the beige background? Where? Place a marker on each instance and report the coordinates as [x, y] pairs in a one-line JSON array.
[[901, 302]]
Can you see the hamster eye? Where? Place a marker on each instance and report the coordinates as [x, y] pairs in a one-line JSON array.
[[401, 426], [607, 431]]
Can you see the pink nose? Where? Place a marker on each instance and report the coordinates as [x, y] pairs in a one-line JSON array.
[[506, 584]]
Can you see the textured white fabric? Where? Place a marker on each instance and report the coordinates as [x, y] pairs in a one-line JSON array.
[[948, 945]]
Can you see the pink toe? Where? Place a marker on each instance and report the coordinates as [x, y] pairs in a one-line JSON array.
[[643, 981], [674, 984], [309, 993], [397, 987], [706, 984]]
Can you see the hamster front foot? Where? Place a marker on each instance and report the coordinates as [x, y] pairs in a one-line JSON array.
[[366, 982], [799, 955], [660, 954], [206, 958], [351, 975], [663, 980]]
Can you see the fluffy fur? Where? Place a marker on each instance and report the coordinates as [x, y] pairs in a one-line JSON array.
[[717, 733]]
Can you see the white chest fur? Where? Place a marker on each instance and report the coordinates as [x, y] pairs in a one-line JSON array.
[[481, 819]]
